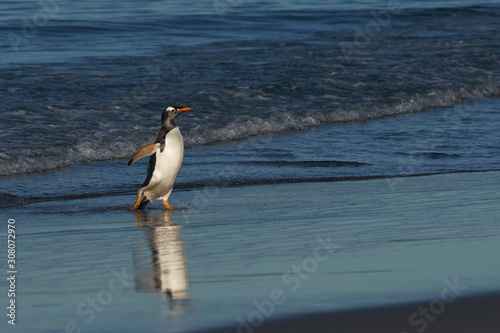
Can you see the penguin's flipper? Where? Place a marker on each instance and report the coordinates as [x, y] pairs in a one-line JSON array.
[[144, 151]]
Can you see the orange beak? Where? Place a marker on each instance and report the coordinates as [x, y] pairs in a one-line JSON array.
[[186, 108]]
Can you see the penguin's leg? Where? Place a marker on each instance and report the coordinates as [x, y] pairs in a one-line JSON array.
[[169, 206], [138, 201]]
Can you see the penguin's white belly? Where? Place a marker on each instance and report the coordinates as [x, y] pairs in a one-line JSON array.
[[167, 166]]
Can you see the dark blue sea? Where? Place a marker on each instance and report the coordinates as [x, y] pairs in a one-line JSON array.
[[281, 92]]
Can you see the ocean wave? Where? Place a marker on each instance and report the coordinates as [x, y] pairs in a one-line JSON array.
[[280, 121], [101, 146]]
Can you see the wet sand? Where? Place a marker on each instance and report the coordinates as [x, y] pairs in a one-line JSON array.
[[317, 251]]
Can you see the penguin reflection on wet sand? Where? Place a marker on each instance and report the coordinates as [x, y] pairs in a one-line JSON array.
[[159, 259], [165, 162]]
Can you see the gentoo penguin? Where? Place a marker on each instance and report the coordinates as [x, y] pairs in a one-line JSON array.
[[165, 162]]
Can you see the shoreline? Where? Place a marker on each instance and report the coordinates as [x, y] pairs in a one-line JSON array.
[[12, 200]]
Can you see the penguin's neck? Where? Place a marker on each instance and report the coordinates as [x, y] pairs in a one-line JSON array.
[[166, 127]]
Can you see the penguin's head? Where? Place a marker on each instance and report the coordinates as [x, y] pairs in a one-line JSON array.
[[176, 110], [171, 112]]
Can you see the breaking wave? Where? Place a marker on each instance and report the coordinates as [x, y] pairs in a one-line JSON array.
[[105, 147]]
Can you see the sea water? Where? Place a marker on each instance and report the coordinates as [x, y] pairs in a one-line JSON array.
[[87, 81]]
